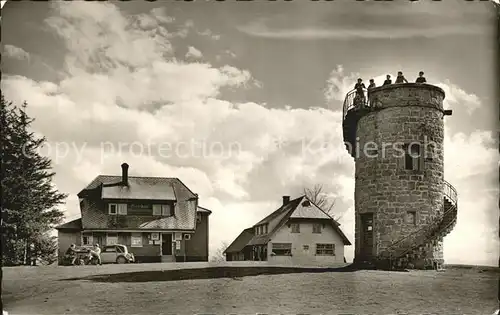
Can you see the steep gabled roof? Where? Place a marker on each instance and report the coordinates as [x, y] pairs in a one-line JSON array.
[[71, 225], [139, 188], [274, 221], [295, 209], [241, 241], [281, 210]]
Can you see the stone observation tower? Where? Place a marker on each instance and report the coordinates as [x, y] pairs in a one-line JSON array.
[[403, 205]]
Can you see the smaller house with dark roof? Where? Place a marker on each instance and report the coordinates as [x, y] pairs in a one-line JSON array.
[[299, 232], [157, 218]]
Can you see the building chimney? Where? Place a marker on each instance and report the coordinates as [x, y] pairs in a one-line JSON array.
[[286, 199], [125, 174]]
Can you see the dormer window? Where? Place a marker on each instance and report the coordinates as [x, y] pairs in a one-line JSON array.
[[166, 210], [113, 209], [122, 209], [117, 209], [261, 229]]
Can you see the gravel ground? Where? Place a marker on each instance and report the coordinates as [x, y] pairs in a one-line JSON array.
[[47, 290]]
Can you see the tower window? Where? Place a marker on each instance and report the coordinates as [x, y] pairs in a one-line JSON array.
[[295, 228], [411, 217], [412, 157]]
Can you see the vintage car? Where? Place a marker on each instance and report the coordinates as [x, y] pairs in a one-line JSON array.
[[116, 254]]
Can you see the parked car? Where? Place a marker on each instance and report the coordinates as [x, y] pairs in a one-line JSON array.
[[116, 254]]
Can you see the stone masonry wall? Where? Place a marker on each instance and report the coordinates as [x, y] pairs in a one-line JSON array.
[[406, 113]]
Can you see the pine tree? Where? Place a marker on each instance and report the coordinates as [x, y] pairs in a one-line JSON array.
[[28, 198]]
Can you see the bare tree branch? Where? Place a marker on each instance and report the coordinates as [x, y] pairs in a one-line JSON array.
[[219, 255], [322, 200]]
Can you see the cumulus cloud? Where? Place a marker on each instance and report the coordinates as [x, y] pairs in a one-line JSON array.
[[14, 52], [193, 53], [210, 34], [340, 83], [161, 15], [455, 96]]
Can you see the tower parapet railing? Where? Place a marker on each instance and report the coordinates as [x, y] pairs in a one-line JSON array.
[[353, 100], [450, 192]]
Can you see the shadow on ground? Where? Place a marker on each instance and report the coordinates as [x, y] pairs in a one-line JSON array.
[[205, 273]]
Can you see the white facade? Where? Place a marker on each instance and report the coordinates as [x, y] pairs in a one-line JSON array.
[[305, 243]]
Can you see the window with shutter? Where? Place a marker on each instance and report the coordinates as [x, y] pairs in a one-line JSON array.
[[156, 209], [421, 159], [415, 154], [87, 239], [166, 210], [122, 209], [112, 208], [413, 158]]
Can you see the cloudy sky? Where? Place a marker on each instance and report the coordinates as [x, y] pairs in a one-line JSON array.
[[235, 98]]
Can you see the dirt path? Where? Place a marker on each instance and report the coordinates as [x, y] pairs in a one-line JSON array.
[[42, 291]]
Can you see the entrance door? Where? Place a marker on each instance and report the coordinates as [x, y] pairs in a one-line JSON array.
[[367, 236], [166, 244]]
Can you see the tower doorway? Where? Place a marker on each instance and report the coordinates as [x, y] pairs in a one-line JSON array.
[[366, 250]]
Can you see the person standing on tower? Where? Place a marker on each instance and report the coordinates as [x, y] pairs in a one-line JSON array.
[[401, 78], [371, 86], [360, 95], [388, 80], [359, 87], [421, 78]]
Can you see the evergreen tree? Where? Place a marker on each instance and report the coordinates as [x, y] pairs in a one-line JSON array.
[[29, 199]]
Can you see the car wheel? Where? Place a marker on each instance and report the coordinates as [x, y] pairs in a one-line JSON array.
[[121, 260]]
